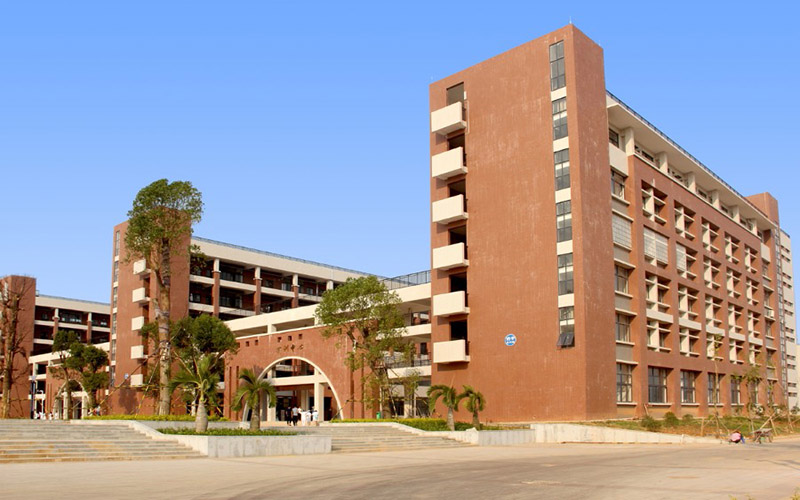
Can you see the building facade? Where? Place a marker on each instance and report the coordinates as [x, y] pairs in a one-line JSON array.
[[583, 266], [631, 279], [36, 386], [228, 282]]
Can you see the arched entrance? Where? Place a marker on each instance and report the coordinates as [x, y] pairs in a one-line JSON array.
[[298, 382]]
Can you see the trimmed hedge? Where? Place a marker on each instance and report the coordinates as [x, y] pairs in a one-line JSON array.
[[227, 432], [156, 418]]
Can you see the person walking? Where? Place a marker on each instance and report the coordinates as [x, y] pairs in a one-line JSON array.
[[295, 415]]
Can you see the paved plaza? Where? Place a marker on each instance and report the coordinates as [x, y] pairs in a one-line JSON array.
[[770, 471]]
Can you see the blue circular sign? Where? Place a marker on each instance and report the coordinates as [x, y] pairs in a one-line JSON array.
[[510, 339]]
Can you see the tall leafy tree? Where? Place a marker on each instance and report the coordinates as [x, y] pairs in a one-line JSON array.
[[63, 342], [88, 363], [249, 392], [159, 230], [203, 337], [202, 381], [367, 317], [450, 400], [475, 402]]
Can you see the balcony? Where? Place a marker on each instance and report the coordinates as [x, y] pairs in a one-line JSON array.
[[139, 296], [450, 256], [618, 158], [137, 323], [448, 164], [140, 267], [448, 119], [453, 351], [449, 210], [137, 380], [448, 304], [137, 352]]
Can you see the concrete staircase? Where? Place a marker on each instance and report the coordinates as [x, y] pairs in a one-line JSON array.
[[354, 438], [57, 441]]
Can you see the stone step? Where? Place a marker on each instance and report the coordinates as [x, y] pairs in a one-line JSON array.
[[154, 456]]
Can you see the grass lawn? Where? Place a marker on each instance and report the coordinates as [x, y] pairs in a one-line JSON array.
[[701, 427]]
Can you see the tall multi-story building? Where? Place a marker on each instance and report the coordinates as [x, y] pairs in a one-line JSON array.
[[35, 386], [584, 264], [228, 281]]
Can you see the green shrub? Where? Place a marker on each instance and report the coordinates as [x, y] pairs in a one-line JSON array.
[[156, 418], [670, 420], [650, 424], [688, 419], [227, 432]]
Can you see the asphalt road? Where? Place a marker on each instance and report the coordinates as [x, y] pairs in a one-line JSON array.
[[770, 471]]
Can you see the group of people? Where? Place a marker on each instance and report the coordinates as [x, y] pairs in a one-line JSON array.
[[295, 415], [40, 415]]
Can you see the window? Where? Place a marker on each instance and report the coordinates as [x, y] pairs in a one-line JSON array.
[[624, 383], [557, 75], [656, 246], [566, 319], [753, 390], [559, 118], [613, 137], [114, 298], [565, 285], [623, 328], [561, 159], [455, 94], [736, 392], [621, 230], [621, 275], [657, 385], [618, 185], [116, 244], [564, 221], [713, 389], [688, 380], [116, 271], [566, 326]]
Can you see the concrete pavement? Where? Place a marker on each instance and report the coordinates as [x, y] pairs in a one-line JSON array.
[[770, 471]]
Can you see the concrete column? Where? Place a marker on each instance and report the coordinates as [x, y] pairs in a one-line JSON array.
[[89, 330], [55, 323], [735, 213], [714, 198], [257, 296], [319, 400], [691, 181], [215, 289], [296, 290], [663, 162], [330, 285], [627, 141]]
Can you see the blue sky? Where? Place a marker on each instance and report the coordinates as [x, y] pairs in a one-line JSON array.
[[305, 124]]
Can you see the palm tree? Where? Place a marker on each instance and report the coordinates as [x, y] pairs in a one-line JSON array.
[[202, 381], [249, 392], [449, 399], [475, 403]]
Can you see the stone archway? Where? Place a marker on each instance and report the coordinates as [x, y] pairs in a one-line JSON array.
[[319, 380]]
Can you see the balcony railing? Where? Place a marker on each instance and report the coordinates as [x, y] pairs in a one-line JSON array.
[[413, 279], [277, 306], [400, 362]]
